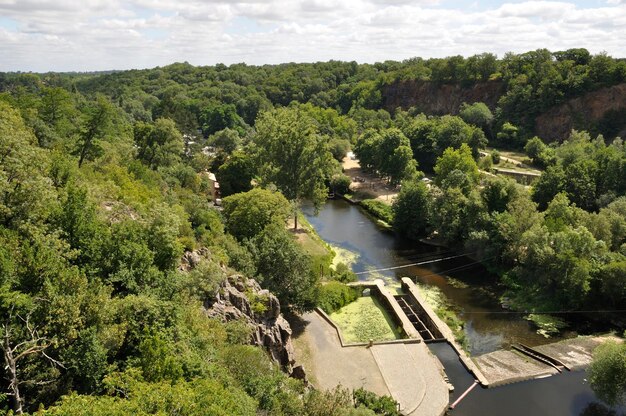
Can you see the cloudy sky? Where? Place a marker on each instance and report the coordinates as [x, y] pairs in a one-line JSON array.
[[85, 35]]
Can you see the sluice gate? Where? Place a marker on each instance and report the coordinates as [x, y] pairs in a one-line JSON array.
[[419, 318]]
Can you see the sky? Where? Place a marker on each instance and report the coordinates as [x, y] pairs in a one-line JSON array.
[[93, 35]]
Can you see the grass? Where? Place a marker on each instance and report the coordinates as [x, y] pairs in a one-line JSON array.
[[366, 319], [378, 209], [321, 253]]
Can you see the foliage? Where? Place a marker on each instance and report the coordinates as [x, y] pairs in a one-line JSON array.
[[457, 168], [235, 174], [382, 405], [335, 295], [292, 155], [283, 267], [607, 373], [412, 209], [159, 144], [378, 209], [249, 213], [340, 183], [387, 152]]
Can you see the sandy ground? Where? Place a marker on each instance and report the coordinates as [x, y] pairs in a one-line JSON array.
[[367, 185]]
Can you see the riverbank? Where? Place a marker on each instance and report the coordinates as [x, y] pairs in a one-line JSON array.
[[365, 185]]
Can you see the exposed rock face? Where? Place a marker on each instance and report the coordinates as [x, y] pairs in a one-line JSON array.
[[580, 113], [269, 328], [439, 99]]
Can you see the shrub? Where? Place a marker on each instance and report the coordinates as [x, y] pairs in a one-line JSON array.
[[381, 405], [378, 209], [335, 295], [340, 183], [343, 274], [495, 157]]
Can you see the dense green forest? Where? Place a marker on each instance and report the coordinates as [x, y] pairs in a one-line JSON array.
[[104, 187]]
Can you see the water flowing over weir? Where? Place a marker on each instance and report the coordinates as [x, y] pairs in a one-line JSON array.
[[473, 293]]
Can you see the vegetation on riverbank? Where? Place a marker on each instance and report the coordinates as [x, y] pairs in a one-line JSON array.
[[435, 298], [381, 212], [365, 319]]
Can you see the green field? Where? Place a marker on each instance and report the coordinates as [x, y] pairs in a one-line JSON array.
[[366, 319]]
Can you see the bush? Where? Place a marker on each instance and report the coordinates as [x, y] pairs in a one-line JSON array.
[[343, 274], [335, 295], [340, 183], [378, 209], [495, 157], [381, 405]]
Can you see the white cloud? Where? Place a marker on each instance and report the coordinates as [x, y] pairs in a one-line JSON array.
[[44, 35]]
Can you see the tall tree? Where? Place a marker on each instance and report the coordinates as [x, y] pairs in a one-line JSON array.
[[293, 156], [97, 120], [160, 144]]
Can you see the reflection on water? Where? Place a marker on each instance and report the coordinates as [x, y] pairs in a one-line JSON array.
[[471, 290]]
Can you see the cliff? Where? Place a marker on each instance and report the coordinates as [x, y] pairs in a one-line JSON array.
[[439, 99], [242, 298], [588, 112], [582, 113]]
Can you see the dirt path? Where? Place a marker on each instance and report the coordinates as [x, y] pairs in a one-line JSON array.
[[367, 185]]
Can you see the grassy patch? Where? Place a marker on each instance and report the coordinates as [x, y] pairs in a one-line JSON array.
[[366, 319], [321, 253], [378, 209]]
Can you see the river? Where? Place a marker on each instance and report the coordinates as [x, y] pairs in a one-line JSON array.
[[473, 293]]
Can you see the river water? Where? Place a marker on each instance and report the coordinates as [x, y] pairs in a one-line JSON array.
[[471, 290], [473, 293]]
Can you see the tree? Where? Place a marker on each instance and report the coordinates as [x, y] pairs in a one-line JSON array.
[[228, 140], [550, 183], [607, 373], [509, 135], [236, 173], [367, 150], [159, 144], [25, 191], [18, 349], [412, 209], [457, 168], [249, 213], [95, 127], [395, 156], [293, 156], [534, 147], [283, 267], [449, 215], [477, 114], [219, 116]]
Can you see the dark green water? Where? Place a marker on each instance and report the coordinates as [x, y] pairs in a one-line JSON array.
[[476, 301]]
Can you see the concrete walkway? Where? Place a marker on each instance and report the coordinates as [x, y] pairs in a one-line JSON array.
[[414, 378], [406, 371]]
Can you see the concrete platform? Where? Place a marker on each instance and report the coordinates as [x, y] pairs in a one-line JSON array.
[[408, 372], [504, 367], [575, 353]]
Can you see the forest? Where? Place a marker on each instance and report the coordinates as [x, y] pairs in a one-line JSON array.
[[104, 188]]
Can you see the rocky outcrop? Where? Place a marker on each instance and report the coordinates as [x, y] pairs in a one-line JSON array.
[[242, 298], [438, 99], [580, 113]]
